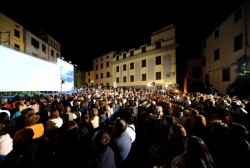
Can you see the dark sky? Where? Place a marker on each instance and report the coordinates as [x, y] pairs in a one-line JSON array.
[[87, 30]]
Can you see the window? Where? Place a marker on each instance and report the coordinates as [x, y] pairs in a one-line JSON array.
[[88, 73], [143, 49], [132, 78], [158, 75], [196, 71], [107, 64], [216, 34], [238, 42], [96, 76], [117, 58], [143, 77], [101, 75], [158, 44], [43, 48], [117, 68], [158, 60], [101, 65], [124, 55], [88, 80], [52, 52], [131, 53], [101, 59], [17, 33], [237, 15], [143, 63], [17, 47], [35, 43], [124, 67], [124, 79], [117, 80], [132, 65], [226, 75], [107, 74], [216, 54], [96, 67]]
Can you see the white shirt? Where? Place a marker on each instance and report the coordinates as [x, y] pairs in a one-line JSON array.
[[131, 132], [95, 122], [58, 122], [72, 116], [6, 144]]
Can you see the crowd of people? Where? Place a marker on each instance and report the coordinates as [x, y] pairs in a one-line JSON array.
[[111, 128]]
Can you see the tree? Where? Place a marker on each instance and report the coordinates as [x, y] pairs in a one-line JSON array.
[[241, 85], [78, 79]]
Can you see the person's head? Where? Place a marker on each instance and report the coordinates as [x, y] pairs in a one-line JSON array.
[[4, 119], [94, 112], [30, 117], [195, 147], [100, 140], [120, 126], [54, 113], [177, 131], [129, 117], [238, 131]]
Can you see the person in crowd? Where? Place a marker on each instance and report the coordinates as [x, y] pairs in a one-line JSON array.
[[129, 118], [196, 154], [103, 154], [94, 118], [54, 123], [239, 146], [121, 143], [6, 142], [30, 121]]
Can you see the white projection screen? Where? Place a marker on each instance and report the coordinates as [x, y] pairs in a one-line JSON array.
[[22, 72], [67, 75]]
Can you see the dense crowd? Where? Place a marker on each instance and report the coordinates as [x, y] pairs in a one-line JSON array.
[[125, 128]]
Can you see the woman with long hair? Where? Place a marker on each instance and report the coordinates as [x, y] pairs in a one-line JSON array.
[[196, 155]]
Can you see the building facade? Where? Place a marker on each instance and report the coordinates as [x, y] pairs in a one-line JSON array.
[[103, 69], [11, 33], [90, 78], [36, 47], [150, 66], [193, 76], [15, 36], [223, 47], [54, 47]]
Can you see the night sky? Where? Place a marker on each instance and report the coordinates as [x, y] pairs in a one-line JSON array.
[[87, 30]]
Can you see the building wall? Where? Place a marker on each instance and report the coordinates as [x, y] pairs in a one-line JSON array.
[[11, 33], [104, 60], [9, 30], [54, 46], [228, 31], [192, 77], [90, 78], [167, 68], [34, 50]]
